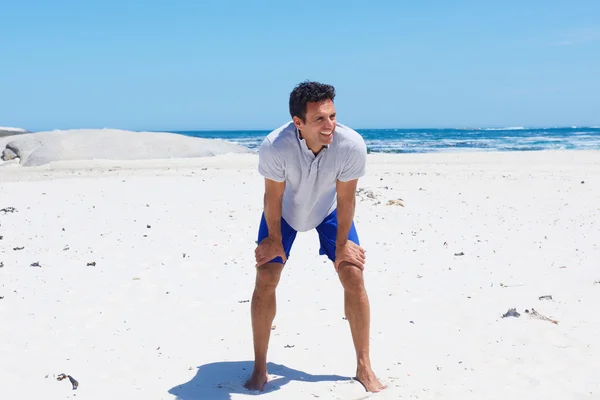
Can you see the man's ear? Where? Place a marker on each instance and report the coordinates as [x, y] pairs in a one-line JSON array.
[[298, 122]]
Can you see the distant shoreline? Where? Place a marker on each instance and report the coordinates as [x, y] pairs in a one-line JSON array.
[[435, 140], [402, 140]]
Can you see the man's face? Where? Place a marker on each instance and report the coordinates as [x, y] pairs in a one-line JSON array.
[[319, 126]]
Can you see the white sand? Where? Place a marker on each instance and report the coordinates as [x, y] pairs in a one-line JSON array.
[[164, 314], [89, 144]]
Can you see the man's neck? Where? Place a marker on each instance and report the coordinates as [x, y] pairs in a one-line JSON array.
[[310, 146]]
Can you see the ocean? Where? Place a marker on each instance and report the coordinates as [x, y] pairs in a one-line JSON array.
[[445, 140]]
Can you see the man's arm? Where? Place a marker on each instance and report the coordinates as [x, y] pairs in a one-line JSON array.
[[272, 207], [346, 201], [354, 167]]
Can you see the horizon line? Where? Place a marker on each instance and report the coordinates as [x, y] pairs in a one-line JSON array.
[[508, 127], [514, 127]]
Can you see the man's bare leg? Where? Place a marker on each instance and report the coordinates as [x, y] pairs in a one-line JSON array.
[[263, 310], [356, 306]]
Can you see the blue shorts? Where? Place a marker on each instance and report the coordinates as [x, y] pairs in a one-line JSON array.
[[327, 231]]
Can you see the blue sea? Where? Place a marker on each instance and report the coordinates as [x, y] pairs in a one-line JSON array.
[[445, 140]]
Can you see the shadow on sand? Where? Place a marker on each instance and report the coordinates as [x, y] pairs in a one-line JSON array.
[[217, 381]]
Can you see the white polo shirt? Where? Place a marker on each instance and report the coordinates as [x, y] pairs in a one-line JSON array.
[[310, 190]]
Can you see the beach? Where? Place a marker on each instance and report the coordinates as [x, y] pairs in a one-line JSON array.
[[134, 277]]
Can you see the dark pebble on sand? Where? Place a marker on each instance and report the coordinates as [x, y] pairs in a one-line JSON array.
[[512, 312], [73, 381]]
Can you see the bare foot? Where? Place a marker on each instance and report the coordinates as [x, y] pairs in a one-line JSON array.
[[368, 379], [257, 381]]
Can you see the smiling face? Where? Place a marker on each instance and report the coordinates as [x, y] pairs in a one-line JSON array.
[[319, 125]]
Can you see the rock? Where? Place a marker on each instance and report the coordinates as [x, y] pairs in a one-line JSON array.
[[512, 312], [110, 144], [6, 131], [8, 154]]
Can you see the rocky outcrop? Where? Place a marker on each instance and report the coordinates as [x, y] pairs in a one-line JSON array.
[[109, 144], [6, 131]]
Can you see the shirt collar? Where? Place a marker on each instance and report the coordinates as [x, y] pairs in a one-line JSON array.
[[302, 141]]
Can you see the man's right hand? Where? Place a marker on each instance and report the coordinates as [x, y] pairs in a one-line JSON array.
[[267, 250]]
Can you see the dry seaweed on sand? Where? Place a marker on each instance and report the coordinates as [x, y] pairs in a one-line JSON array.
[[395, 202], [534, 314]]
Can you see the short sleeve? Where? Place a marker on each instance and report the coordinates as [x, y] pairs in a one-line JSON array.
[[270, 163], [355, 164]]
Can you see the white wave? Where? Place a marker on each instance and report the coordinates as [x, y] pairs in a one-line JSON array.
[[400, 142], [542, 139], [463, 149]]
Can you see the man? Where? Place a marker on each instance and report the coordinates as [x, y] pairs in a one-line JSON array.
[[311, 167]]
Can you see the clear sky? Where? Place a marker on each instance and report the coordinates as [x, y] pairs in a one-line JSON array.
[[224, 64]]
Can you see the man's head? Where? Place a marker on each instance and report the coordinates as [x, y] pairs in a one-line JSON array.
[[313, 112]]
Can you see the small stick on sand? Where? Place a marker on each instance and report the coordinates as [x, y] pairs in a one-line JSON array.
[[536, 314]]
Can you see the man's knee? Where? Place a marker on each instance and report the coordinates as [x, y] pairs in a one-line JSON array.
[[351, 277], [267, 276]]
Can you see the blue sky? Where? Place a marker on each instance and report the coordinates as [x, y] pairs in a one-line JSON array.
[[190, 64]]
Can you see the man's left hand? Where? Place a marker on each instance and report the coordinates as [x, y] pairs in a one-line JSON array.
[[351, 253]]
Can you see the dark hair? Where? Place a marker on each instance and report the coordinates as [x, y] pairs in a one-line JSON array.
[[308, 92]]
